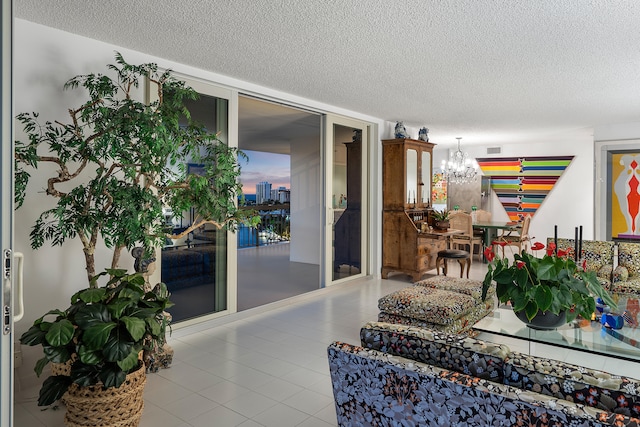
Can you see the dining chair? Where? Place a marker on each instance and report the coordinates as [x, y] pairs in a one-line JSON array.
[[520, 239], [482, 216], [462, 221]]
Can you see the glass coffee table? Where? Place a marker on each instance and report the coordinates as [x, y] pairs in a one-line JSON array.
[[581, 335]]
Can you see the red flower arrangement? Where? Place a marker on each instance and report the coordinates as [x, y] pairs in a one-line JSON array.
[[552, 283]]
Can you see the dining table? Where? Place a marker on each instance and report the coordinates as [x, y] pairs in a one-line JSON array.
[[491, 228]]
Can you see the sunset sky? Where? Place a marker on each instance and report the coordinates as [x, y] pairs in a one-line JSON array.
[[273, 168]]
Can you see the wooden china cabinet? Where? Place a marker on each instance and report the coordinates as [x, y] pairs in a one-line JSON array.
[[407, 244]]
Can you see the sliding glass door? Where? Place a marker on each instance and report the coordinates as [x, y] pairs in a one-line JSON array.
[[196, 267], [346, 254], [201, 269]]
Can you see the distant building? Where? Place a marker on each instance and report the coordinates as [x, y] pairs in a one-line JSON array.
[[284, 195], [263, 192]]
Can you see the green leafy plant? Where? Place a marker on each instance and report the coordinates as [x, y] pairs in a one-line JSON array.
[[101, 334], [118, 161], [552, 283], [443, 215]]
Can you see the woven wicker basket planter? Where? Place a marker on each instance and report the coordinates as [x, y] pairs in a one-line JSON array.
[[61, 369], [114, 407]]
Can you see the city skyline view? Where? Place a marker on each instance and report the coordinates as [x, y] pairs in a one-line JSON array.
[[269, 167]]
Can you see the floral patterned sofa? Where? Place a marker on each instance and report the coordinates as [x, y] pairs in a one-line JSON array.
[[407, 376]]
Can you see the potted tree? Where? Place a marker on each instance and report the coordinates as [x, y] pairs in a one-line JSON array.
[[120, 161]]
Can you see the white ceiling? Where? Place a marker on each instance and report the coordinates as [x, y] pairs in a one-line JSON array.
[[490, 71], [272, 128]]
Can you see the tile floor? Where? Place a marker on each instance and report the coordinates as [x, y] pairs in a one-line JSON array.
[[268, 367]]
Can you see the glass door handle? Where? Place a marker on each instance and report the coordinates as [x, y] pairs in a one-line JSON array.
[[19, 309]]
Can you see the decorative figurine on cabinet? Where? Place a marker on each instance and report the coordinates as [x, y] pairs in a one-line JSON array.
[[357, 135], [423, 134], [401, 131]]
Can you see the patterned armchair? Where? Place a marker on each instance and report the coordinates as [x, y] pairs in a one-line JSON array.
[[598, 255], [626, 276]]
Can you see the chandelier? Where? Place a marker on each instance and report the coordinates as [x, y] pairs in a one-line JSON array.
[[460, 168]]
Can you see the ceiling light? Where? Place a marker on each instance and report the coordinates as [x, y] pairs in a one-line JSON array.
[[460, 168]]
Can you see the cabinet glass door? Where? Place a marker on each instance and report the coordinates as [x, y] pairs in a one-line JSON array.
[[425, 182], [346, 222], [412, 176]]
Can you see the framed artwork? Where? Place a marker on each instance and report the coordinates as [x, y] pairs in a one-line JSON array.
[[439, 189], [620, 177], [522, 183], [617, 190], [625, 197]]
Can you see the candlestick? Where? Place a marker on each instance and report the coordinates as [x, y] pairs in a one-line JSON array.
[[575, 255], [580, 245]]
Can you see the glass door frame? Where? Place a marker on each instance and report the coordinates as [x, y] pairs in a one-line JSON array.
[[330, 121], [211, 89], [6, 217]]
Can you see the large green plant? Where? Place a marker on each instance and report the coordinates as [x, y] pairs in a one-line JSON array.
[[119, 160], [101, 334], [552, 283]]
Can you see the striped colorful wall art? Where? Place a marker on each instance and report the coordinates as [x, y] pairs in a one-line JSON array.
[[522, 183]]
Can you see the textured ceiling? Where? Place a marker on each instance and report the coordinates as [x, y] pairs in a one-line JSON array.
[[491, 71]]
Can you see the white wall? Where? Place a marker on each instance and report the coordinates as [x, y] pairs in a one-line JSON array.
[[306, 202], [619, 131]]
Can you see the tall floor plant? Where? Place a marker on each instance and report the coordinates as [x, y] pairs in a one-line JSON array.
[[118, 161]]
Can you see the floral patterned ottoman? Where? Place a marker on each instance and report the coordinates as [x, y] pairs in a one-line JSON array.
[[444, 304], [469, 287], [429, 304], [461, 325]]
